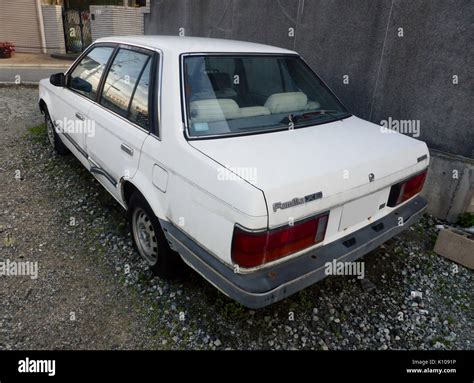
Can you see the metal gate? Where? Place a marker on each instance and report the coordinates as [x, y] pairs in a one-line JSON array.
[[77, 30]]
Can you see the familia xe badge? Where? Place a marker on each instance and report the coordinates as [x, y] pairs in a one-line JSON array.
[[297, 201]]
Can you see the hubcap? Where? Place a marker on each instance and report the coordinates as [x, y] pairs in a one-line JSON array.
[[144, 235], [50, 131]]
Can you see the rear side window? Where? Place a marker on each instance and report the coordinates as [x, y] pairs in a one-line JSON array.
[[85, 77], [121, 82], [139, 106]]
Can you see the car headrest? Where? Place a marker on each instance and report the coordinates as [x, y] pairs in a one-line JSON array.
[[253, 111], [286, 102], [213, 110], [313, 105]]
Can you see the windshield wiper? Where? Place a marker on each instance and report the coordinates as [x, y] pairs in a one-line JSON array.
[[268, 127], [308, 115], [297, 118]]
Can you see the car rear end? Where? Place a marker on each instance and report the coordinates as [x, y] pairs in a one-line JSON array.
[[336, 187], [323, 218], [323, 205]]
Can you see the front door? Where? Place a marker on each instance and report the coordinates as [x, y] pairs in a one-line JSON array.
[[122, 117], [74, 100]]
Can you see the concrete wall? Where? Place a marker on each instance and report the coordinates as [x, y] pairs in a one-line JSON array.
[[19, 25], [116, 20], [53, 28], [449, 187], [404, 60], [406, 78]]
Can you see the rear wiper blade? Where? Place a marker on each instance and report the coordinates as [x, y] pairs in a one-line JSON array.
[[308, 115], [267, 127]]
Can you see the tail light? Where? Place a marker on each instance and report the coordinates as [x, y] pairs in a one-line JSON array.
[[403, 191], [251, 249]]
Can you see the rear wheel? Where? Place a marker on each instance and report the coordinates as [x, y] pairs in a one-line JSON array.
[[149, 240], [53, 137]]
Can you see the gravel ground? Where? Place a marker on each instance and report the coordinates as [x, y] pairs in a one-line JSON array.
[[93, 292]]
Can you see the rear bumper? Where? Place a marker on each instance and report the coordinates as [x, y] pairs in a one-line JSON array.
[[269, 285]]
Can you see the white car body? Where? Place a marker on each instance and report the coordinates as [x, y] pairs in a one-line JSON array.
[[352, 163]]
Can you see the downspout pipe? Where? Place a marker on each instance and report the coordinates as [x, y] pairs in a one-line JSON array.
[[39, 13]]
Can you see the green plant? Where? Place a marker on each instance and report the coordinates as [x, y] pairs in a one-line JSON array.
[[38, 133], [466, 220]]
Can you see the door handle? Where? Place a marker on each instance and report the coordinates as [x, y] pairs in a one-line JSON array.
[[80, 116], [127, 149]]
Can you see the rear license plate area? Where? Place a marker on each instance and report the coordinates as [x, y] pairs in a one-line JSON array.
[[362, 209]]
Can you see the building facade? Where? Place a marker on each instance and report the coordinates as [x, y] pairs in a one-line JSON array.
[[60, 26]]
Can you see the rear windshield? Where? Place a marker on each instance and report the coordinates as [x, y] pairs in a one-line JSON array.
[[232, 95]]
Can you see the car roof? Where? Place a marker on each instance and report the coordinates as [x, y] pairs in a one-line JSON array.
[[178, 45]]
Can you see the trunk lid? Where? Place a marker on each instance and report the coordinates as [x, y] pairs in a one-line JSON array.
[[324, 165]]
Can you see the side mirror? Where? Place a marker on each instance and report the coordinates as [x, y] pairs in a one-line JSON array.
[[81, 85], [58, 79]]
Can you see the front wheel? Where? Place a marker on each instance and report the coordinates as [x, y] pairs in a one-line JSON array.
[[150, 241], [53, 137]]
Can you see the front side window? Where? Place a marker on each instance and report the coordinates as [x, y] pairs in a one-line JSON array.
[[85, 77], [231, 95], [124, 75]]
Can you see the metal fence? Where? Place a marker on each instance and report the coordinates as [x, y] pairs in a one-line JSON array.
[[77, 30]]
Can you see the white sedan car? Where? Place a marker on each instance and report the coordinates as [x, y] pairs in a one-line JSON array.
[[234, 157]]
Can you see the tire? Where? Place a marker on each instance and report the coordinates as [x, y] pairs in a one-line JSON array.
[[150, 241], [53, 137]]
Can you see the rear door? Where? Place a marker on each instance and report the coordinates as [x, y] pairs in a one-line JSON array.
[[74, 100], [123, 116]]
